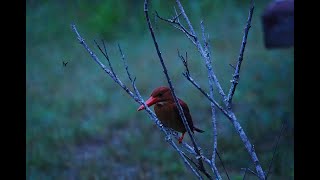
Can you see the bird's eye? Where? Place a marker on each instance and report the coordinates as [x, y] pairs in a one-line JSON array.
[[160, 94]]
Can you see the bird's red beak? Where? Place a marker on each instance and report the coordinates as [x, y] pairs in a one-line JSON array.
[[151, 101]]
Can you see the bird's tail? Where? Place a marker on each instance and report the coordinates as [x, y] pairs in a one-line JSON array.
[[198, 130]]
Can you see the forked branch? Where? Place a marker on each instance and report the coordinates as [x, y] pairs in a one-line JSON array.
[[236, 74], [205, 54], [136, 96], [203, 48]]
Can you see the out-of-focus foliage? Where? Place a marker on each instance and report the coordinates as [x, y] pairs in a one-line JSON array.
[[81, 125]]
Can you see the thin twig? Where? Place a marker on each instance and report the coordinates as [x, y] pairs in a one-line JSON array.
[[222, 164], [236, 74], [248, 169], [175, 18], [191, 38], [234, 68], [185, 62], [125, 65], [244, 175], [105, 54], [176, 22], [276, 146]]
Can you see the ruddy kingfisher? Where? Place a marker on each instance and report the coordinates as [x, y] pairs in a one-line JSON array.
[[167, 111]]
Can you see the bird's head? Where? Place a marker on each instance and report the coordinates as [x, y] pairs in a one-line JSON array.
[[160, 94]]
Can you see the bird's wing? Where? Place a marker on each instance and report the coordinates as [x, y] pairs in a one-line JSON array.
[[185, 111]]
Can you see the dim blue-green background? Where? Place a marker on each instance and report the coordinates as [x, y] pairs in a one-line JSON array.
[[81, 125]]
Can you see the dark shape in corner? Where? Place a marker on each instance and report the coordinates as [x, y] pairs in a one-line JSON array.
[[278, 24]]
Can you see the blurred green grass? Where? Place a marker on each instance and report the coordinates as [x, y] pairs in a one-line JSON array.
[[80, 125]]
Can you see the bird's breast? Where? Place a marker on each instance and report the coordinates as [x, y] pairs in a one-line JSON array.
[[168, 116]]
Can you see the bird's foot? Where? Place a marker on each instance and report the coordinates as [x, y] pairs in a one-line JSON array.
[[180, 138]]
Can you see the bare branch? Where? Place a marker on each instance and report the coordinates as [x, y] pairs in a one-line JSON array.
[[176, 22], [200, 177], [203, 52], [166, 73], [137, 97], [198, 167], [236, 74], [196, 172], [248, 145], [236, 124], [185, 62], [191, 151], [189, 159], [187, 74], [204, 38], [115, 78], [109, 72], [213, 109], [168, 138], [126, 65], [190, 79], [168, 78], [191, 38], [105, 54], [206, 55], [231, 116], [171, 86], [175, 18]]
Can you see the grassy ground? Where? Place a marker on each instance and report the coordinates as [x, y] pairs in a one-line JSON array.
[[80, 125]]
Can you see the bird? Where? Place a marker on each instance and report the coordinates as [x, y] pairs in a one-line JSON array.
[[167, 111], [64, 64]]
